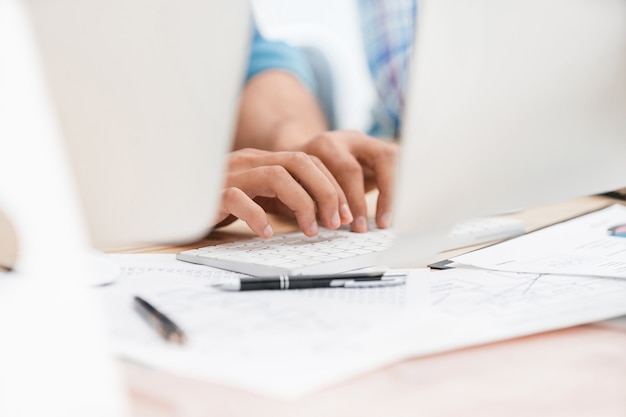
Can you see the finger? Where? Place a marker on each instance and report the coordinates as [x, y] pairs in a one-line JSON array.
[[344, 209], [334, 149], [276, 182], [350, 177], [384, 170], [224, 221], [237, 203], [378, 160], [347, 170], [275, 206], [243, 159], [314, 178]]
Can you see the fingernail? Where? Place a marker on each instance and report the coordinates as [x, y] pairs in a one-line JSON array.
[[360, 224], [314, 228], [346, 213], [268, 231], [385, 220], [335, 222]]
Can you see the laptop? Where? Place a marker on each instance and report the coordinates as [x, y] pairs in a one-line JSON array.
[[146, 96], [511, 104], [141, 95]]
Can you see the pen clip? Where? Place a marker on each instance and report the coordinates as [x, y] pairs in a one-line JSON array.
[[383, 282]]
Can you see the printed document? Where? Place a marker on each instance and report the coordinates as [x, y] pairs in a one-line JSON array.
[[591, 245], [289, 343]]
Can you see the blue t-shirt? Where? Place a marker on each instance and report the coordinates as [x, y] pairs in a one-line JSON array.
[[269, 54]]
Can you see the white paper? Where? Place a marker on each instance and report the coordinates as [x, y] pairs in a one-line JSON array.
[[581, 246], [280, 343], [290, 343]]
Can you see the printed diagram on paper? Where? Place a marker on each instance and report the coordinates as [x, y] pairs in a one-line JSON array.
[[288, 343]]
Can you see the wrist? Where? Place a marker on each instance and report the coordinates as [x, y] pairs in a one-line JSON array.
[[290, 135]]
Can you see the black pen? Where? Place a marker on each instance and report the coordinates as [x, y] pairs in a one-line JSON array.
[[161, 323], [285, 282]]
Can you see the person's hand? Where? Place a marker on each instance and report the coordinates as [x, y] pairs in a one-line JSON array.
[[277, 112], [288, 183], [360, 164]]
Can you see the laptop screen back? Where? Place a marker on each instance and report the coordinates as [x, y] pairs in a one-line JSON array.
[[511, 104], [146, 96]]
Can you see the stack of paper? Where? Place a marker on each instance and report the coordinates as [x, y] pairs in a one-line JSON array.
[[289, 343]]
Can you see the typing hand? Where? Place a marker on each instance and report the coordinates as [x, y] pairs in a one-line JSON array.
[[287, 183], [360, 164]]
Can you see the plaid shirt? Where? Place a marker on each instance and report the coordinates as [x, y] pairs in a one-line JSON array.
[[388, 28]]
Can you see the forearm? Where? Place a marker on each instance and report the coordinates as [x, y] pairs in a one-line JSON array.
[[277, 112]]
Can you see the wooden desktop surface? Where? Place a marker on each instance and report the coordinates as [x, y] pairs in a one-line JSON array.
[[579, 371]]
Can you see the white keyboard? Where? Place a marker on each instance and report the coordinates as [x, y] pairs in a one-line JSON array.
[[331, 251]]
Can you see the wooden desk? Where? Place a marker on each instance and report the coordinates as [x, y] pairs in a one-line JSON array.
[[574, 372]]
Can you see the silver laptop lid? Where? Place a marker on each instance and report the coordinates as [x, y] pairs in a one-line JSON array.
[[512, 103], [146, 95]]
